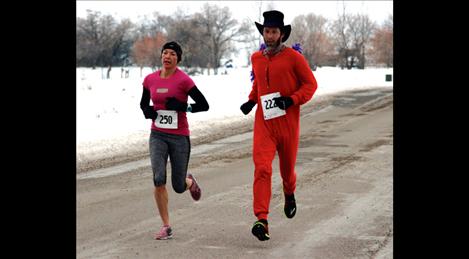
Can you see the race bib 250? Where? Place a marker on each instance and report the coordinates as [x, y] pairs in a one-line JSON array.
[[167, 119]]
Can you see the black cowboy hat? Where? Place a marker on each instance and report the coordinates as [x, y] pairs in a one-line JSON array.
[[274, 19]]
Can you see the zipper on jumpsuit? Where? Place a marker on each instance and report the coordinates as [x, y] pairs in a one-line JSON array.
[[273, 125]]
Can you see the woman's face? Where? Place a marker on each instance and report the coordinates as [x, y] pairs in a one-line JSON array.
[[169, 58]]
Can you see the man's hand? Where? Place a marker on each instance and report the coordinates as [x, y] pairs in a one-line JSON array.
[[247, 107], [283, 102]]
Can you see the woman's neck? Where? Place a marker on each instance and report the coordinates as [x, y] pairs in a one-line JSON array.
[[165, 73]]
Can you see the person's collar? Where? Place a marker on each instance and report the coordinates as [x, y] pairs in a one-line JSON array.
[[268, 51]]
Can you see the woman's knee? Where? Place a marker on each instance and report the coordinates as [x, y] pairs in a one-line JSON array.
[[179, 187], [157, 182], [160, 189]]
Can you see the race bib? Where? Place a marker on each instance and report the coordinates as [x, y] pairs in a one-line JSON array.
[[269, 108], [167, 119]]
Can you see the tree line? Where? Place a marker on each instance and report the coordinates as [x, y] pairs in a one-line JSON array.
[[209, 36]]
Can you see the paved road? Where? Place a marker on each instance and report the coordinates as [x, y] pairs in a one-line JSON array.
[[344, 194]]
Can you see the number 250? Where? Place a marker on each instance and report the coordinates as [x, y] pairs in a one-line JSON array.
[[165, 119]]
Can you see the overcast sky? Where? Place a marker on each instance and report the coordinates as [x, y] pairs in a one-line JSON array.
[[378, 11]]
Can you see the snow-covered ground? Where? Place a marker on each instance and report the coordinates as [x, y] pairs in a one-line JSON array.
[[109, 116]]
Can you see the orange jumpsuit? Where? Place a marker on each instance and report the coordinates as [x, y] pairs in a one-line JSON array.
[[286, 72]]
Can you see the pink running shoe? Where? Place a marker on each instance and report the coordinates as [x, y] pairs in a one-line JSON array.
[[165, 233], [195, 190]]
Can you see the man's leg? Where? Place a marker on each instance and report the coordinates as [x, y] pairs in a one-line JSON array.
[[264, 149], [287, 152]]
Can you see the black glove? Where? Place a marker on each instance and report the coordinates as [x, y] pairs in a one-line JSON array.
[[247, 107], [150, 113], [173, 104], [283, 102]]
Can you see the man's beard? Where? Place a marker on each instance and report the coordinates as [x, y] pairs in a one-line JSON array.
[[273, 45]]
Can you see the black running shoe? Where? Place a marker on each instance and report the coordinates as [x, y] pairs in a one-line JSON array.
[[260, 229], [290, 206]]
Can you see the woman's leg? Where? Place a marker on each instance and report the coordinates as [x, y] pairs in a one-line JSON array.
[[159, 158], [161, 198], [179, 153]]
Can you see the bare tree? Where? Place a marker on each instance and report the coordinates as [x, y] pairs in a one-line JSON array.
[[219, 31], [188, 31], [311, 32], [150, 26], [140, 54], [352, 34], [88, 39], [180, 27], [100, 39], [341, 34], [343, 40], [253, 39], [250, 39], [146, 51], [361, 29], [382, 43], [112, 40]]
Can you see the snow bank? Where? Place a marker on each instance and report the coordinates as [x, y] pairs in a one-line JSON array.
[[109, 118]]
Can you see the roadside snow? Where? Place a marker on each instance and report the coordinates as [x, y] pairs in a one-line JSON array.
[[109, 118]]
